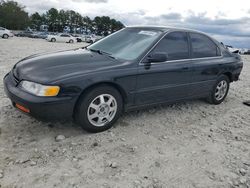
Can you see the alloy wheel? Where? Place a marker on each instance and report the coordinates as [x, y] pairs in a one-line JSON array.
[[102, 110], [221, 90]]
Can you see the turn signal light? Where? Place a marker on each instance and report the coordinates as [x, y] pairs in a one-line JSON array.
[[22, 108], [51, 91]]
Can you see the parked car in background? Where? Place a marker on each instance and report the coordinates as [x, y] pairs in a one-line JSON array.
[[25, 34], [247, 52], [85, 38], [78, 37], [61, 38], [130, 69], [92, 38], [40, 35], [232, 49], [5, 33]]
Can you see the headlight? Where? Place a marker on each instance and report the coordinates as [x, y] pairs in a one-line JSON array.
[[39, 89]]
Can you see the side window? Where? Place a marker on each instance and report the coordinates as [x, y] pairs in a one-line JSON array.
[[203, 46], [63, 35], [175, 45]]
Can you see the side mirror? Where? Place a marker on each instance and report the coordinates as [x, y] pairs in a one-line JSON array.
[[157, 57]]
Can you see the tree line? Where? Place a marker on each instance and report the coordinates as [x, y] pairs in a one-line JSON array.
[[13, 16]]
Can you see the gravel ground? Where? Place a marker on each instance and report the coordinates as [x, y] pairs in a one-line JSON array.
[[189, 144]]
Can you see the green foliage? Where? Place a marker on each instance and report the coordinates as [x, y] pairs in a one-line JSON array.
[[12, 15], [104, 25]]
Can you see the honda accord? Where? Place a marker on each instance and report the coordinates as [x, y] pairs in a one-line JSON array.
[[130, 69]]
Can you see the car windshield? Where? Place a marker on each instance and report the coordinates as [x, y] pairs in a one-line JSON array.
[[127, 44]]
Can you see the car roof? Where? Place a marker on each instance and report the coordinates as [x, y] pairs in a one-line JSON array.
[[165, 28]]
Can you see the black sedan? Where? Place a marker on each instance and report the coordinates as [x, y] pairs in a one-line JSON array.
[[130, 69]]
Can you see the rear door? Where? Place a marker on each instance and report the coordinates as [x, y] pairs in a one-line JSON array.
[[206, 61], [169, 80], [64, 38]]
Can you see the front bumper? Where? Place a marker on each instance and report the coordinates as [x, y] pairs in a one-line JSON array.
[[42, 108]]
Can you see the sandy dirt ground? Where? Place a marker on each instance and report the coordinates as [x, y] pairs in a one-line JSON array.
[[189, 144]]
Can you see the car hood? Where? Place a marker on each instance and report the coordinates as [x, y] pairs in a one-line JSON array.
[[52, 67]]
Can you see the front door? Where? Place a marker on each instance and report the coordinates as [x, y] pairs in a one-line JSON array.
[[168, 80]]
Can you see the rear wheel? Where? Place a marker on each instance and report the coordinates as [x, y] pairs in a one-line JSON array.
[[5, 36], [53, 40], [220, 90], [99, 109]]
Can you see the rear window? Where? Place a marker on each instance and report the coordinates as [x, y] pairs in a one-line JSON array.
[[202, 46]]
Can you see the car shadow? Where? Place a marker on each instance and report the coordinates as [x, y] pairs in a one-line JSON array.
[[15, 120]]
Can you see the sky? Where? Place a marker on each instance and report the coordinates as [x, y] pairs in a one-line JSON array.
[[227, 21]]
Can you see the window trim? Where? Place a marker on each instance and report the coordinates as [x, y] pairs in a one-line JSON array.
[[191, 46], [65, 35], [151, 49], [172, 61], [188, 45]]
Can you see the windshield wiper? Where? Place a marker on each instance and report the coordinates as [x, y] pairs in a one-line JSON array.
[[101, 52], [98, 51]]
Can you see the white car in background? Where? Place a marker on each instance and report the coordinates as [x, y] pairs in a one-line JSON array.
[[61, 38], [5, 33], [232, 49], [92, 38]]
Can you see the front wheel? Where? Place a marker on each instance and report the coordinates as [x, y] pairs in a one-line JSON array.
[[220, 90], [5, 36], [53, 40], [99, 109], [71, 41]]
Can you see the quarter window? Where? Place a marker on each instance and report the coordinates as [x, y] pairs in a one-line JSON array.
[[175, 45], [202, 46]]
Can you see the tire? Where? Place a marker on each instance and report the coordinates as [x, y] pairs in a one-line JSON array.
[[91, 42], [106, 113], [217, 95], [71, 41], [5, 36], [53, 40]]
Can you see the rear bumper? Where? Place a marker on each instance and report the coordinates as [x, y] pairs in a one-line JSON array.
[[237, 71], [42, 108]]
